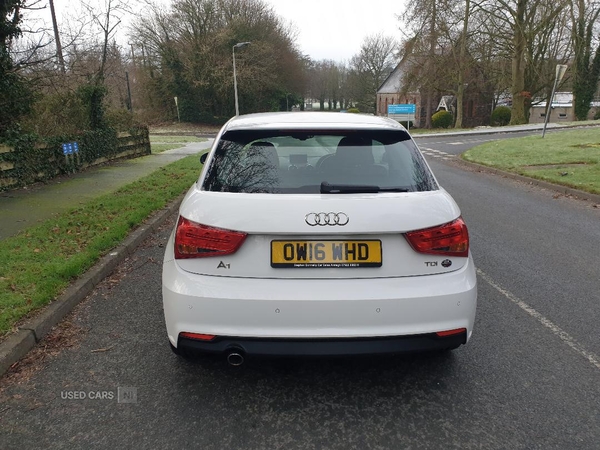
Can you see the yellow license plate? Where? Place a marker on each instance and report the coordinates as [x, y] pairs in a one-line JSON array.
[[325, 253]]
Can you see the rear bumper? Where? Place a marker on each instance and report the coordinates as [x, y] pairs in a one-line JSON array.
[[331, 316], [323, 347]]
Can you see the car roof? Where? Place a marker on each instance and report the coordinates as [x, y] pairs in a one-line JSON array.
[[312, 120]]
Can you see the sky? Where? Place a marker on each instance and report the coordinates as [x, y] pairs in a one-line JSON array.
[[335, 29], [326, 29]]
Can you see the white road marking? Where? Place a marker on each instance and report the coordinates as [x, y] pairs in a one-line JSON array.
[[436, 153], [464, 141], [555, 329]]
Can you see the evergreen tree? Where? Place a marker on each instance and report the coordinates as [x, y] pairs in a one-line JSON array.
[[16, 99]]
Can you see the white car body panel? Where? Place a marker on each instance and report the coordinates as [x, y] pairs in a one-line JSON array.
[[284, 214]]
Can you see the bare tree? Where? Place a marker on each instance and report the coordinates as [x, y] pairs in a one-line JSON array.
[[521, 21], [428, 24], [371, 66], [318, 81], [462, 56], [107, 19]]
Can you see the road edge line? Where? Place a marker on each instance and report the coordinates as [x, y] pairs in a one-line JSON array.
[[565, 337]]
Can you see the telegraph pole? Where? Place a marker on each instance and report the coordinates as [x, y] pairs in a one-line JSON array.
[[59, 54]]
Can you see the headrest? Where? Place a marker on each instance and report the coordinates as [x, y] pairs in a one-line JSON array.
[[355, 150], [266, 150], [264, 144]]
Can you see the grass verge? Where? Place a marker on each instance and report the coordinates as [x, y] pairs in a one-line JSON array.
[[459, 130], [159, 143], [568, 158], [39, 263]]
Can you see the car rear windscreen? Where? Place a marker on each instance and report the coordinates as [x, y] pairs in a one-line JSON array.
[[296, 162]]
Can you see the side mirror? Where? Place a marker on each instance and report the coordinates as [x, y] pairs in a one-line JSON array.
[[203, 157]]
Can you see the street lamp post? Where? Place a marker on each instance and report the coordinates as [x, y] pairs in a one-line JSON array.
[[237, 106], [560, 72]]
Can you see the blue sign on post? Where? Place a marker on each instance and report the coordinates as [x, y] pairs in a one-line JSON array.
[[70, 147], [69, 150], [402, 109], [402, 113]]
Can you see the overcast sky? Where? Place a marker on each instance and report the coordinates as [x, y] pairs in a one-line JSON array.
[[334, 29], [327, 29]]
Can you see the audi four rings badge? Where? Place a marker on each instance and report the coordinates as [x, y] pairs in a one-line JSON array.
[[323, 218]]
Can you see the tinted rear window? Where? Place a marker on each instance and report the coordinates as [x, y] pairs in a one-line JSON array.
[[298, 162]]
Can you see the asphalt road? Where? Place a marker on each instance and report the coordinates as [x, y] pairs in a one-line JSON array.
[[529, 378]]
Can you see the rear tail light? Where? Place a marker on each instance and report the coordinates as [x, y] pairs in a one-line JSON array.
[[194, 240], [451, 239]]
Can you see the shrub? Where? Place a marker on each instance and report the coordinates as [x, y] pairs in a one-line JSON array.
[[442, 119], [119, 119], [60, 113], [353, 110], [207, 118], [500, 116], [92, 96], [597, 115]]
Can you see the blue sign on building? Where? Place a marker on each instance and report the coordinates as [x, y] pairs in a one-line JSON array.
[[402, 109]]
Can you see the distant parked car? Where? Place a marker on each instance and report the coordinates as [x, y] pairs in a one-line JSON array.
[[317, 234]]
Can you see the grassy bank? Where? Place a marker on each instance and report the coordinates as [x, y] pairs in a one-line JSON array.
[[568, 158], [39, 263]]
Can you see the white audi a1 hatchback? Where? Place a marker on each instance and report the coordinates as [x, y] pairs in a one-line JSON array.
[[317, 234]]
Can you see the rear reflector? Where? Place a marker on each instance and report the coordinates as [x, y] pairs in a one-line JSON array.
[[451, 239], [194, 240], [197, 337], [451, 332]]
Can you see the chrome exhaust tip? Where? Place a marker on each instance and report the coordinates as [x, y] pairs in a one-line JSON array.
[[235, 359]]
